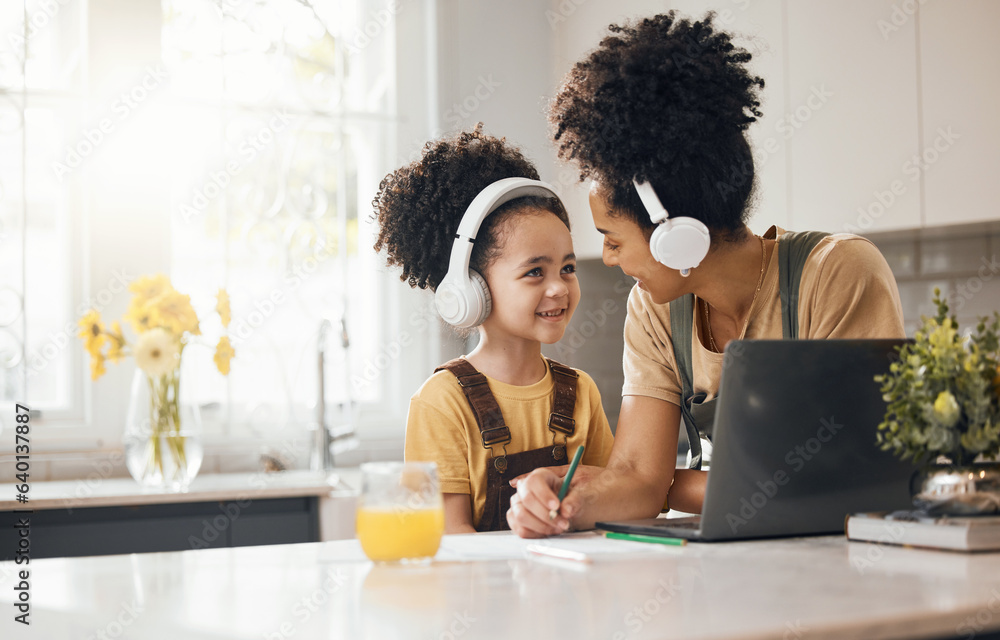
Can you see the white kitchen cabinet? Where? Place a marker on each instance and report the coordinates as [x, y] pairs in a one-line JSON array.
[[759, 28], [851, 76], [960, 136]]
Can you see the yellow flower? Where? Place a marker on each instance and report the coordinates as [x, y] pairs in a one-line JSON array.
[[117, 340], [92, 332], [96, 366], [148, 287], [157, 352], [946, 409], [224, 352], [140, 316], [173, 311], [222, 306], [145, 290]]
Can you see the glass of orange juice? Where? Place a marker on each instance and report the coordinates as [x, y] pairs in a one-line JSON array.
[[400, 511]]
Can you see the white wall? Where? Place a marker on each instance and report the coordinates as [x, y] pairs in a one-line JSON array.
[[857, 95]]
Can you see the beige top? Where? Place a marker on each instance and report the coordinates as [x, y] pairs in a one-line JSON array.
[[847, 291]]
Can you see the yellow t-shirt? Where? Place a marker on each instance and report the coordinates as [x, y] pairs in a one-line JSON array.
[[441, 427], [847, 291]]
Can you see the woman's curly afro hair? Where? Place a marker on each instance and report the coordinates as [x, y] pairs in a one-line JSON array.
[[419, 206], [665, 100]]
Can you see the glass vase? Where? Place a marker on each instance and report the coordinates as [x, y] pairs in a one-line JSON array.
[[162, 437]]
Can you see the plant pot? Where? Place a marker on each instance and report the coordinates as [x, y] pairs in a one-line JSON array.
[[957, 490], [162, 437]]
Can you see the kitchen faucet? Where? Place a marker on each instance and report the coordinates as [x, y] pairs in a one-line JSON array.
[[322, 452]]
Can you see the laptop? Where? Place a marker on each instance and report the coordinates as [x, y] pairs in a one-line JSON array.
[[794, 447]]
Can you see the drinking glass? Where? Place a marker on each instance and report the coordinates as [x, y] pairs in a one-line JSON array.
[[400, 511]]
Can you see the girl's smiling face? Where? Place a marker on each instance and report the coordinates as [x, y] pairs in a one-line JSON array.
[[533, 281], [626, 245]]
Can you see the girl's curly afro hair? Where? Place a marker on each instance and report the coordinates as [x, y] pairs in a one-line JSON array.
[[665, 100], [418, 206]]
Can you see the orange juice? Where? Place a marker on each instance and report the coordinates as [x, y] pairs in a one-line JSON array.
[[388, 534]]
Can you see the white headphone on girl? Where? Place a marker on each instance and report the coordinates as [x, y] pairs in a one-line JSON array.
[[462, 298], [679, 243]]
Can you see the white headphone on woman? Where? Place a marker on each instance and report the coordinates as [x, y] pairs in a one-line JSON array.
[[679, 243], [462, 298]]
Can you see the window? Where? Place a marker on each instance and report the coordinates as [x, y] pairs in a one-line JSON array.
[[227, 143]]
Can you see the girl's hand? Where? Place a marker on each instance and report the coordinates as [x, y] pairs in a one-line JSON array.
[[538, 494]]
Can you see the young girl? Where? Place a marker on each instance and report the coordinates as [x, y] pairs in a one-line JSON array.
[[504, 409]]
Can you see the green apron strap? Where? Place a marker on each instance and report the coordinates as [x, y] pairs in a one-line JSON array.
[[681, 328], [794, 248]]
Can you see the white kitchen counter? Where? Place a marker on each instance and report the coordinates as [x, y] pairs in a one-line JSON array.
[[336, 492], [821, 587], [116, 492]]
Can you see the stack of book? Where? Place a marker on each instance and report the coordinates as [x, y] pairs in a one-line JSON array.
[[979, 533]]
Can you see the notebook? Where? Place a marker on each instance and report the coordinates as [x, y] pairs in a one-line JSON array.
[[794, 447]]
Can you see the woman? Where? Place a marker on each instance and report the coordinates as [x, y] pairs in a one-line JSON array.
[[656, 117]]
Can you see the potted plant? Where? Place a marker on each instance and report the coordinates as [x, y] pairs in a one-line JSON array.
[[943, 412]]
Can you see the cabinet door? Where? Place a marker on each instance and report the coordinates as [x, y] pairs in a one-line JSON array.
[[960, 87], [852, 116]]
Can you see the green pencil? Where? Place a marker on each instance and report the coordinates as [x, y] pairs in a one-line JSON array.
[[638, 537], [569, 478]]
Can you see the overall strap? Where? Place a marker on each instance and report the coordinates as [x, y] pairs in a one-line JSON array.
[[489, 418], [563, 398], [681, 328], [794, 248]]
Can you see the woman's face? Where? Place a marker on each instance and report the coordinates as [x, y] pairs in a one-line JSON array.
[[533, 281], [626, 245]]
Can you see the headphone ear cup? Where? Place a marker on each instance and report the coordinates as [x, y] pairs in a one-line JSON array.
[[481, 293], [464, 305], [680, 243]]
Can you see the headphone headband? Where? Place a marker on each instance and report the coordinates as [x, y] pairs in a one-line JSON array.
[[657, 212], [462, 298]]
